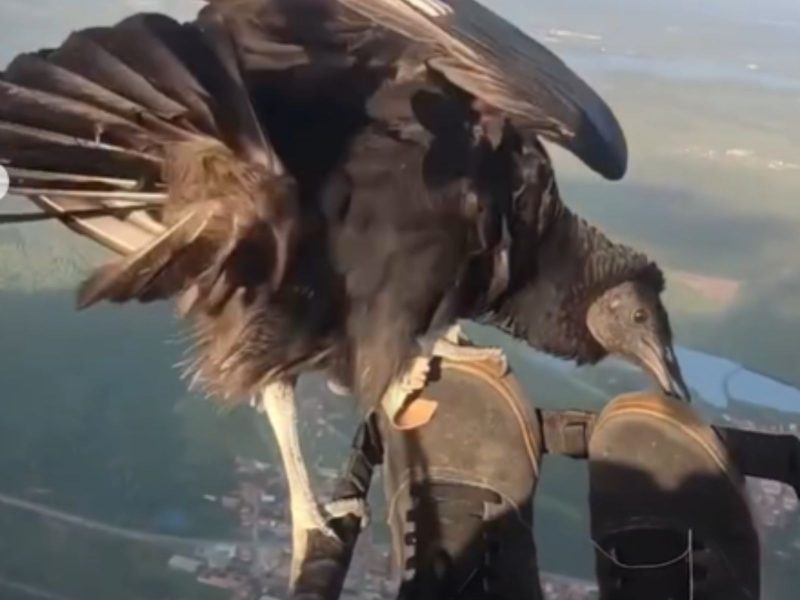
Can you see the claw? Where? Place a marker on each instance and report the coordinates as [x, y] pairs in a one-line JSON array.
[[337, 388], [400, 391], [456, 335], [310, 517], [357, 507], [416, 378]]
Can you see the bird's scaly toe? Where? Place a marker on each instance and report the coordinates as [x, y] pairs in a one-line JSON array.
[[337, 388], [498, 359], [416, 378], [311, 518], [356, 507], [495, 358]]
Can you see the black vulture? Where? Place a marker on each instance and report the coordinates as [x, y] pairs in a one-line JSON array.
[[330, 185]]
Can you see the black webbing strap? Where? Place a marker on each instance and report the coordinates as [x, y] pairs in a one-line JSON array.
[[566, 432], [756, 454], [765, 455]]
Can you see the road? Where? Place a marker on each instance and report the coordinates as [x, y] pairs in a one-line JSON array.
[[133, 535], [29, 590]]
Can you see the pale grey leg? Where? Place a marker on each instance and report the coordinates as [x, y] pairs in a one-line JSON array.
[[279, 404]]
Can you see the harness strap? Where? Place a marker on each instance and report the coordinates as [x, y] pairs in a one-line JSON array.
[[566, 432], [765, 455]]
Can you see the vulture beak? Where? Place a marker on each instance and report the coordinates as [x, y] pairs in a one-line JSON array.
[[660, 361]]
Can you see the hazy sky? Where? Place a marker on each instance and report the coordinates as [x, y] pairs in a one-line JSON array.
[[30, 24]]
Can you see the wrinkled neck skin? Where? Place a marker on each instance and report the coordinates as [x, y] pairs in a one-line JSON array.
[[549, 308], [560, 265]]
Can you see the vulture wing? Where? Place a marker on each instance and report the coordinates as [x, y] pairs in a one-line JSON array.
[[150, 117], [468, 44], [493, 60]]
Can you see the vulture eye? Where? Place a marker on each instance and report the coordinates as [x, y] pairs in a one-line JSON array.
[[639, 316]]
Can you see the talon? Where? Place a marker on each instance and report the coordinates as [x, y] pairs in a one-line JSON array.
[[306, 518], [337, 388], [357, 507], [328, 532], [455, 335], [319, 518], [417, 376], [494, 357], [412, 381], [499, 360], [312, 519]]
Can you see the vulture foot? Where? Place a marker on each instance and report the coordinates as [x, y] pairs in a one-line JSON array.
[[338, 389], [355, 507], [406, 386], [494, 357]]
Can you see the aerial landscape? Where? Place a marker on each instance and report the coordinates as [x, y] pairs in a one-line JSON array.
[[117, 483]]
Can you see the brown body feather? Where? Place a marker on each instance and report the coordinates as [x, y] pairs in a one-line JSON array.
[[370, 215]]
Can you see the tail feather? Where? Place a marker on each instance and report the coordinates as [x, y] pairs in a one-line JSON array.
[[154, 113]]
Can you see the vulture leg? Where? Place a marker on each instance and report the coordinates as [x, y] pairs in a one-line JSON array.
[[278, 401], [404, 387]]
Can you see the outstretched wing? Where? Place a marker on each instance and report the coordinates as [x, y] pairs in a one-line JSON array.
[[148, 114], [496, 62], [468, 44]]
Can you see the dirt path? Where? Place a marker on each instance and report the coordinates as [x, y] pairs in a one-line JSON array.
[[29, 590], [134, 535]]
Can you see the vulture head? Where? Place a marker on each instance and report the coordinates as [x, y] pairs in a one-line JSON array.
[[629, 320], [573, 292]]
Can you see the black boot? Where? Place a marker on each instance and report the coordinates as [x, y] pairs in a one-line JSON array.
[[460, 490], [670, 518]]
